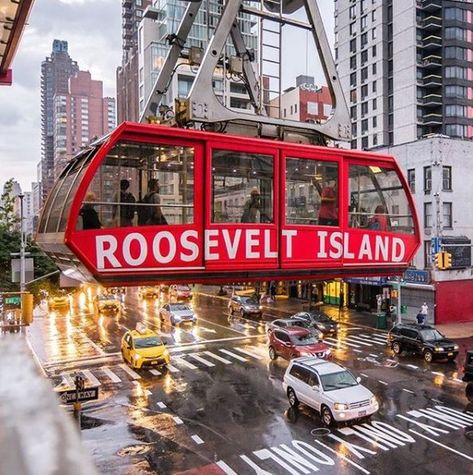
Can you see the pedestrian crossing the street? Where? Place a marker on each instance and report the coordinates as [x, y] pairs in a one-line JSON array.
[[203, 359]]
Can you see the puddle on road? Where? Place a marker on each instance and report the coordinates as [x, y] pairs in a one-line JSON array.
[[88, 422], [133, 450]]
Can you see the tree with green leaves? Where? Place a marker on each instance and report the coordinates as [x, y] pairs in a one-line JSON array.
[[8, 218]]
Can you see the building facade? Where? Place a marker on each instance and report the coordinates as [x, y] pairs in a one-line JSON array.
[[56, 70], [127, 73], [80, 114]]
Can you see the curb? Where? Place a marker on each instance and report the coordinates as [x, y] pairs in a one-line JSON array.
[[286, 311]]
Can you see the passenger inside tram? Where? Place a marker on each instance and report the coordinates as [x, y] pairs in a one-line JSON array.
[[379, 220], [125, 211], [90, 218], [311, 192]]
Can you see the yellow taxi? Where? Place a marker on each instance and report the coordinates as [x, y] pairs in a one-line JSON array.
[[144, 348], [107, 303], [59, 301]]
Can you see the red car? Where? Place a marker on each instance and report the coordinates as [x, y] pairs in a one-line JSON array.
[[292, 342]]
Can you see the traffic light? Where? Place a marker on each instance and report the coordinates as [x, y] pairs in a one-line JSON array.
[[447, 260], [27, 308], [80, 383], [439, 260]]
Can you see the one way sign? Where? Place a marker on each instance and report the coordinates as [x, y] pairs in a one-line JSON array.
[[69, 396]]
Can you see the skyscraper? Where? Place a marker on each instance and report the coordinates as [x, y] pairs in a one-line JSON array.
[[55, 73], [127, 73], [80, 114], [404, 68]]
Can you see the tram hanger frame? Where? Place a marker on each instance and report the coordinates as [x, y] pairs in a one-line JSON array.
[[202, 106]]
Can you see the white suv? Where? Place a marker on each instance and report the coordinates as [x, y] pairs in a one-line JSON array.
[[329, 388]]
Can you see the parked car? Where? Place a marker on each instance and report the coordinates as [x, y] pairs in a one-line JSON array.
[[245, 306], [288, 322], [180, 292], [59, 301], [319, 320], [107, 303], [149, 292], [424, 340], [330, 389], [174, 313], [292, 342], [144, 348], [468, 375]]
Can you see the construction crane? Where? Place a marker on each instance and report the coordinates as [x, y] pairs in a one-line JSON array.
[[201, 108]]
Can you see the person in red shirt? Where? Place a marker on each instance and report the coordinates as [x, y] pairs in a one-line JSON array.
[[328, 213], [380, 220]]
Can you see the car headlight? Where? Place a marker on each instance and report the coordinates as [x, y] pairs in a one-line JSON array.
[[373, 400], [438, 348], [195, 315], [321, 325], [338, 406], [261, 307], [455, 347], [136, 356]]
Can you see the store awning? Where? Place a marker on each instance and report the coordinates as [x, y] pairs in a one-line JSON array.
[[13, 17]]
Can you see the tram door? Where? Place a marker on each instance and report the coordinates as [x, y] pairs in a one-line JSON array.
[[242, 198], [311, 216]]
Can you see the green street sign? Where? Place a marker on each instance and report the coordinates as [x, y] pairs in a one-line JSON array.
[[13, 300]]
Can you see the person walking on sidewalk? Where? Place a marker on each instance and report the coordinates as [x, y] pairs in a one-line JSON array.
[[422, 315]]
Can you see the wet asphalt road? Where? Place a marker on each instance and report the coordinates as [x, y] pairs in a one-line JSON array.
[[220, 407]]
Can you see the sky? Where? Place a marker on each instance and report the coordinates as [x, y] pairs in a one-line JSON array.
[[93, 30]]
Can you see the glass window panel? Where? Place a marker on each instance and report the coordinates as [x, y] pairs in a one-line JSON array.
[[311, 192], [141, 184], [243, 187], [373, 191]]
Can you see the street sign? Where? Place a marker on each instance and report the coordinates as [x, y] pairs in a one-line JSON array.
[[69, 396], [436, 244]]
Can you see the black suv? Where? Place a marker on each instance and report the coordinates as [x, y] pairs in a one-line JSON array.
[[422, 339]]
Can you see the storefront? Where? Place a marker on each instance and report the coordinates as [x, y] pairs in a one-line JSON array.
[[335, 292], [363, 292]]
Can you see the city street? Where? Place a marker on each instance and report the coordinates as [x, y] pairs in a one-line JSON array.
[[220, 406]]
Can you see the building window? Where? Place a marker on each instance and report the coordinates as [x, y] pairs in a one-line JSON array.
[[455, 91], [364, 92], [353, 46], [353, 97], [447, 221], [364, 39], [364, 57], [375, 104], [354, 129], [352, 28], [373, 15], [456, 52], [353, 113], [354, 144], [363, 22], [373, 51], [353, 11], [375, 122], [364, 74], [364, 108], [373, 34], [364, 126], [374, 68], [428, 254], [391, 138], [427, 215], [411, 179], [375, 140], [427, 180], [374, 86], [364, 143], [353, 79], [447, 178], [353, 62]]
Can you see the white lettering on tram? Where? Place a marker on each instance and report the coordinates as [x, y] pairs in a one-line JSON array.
[[289, 234], [164, 259], [189, 245], [103, 252], [252, 240], [211, 242], [142, 246], [267, 246], [232, 246]]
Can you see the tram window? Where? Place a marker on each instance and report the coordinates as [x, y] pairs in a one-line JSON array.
[[120, 193], [311, 192], [373, 192], [242, 185]]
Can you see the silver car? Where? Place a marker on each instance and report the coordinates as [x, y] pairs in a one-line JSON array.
[[174, 313]]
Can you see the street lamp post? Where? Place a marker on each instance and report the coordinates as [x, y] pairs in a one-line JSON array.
[[22, 246]]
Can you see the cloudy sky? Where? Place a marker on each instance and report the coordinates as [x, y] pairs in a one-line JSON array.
[[93, 31]]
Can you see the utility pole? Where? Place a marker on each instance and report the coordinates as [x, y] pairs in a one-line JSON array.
[[22, 246]]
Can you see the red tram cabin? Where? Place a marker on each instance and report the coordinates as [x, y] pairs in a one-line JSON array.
[[152, 204]]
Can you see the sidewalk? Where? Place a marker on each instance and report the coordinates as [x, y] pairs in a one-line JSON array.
[[345, 315]]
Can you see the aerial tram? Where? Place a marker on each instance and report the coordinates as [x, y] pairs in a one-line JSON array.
[[262, 201], [225, 209]]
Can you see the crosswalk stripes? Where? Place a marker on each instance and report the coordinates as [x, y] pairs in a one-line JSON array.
[[233, 355], [93, 380], [337, 344], [358, 341], [249, 353], [173, 369], [370, 340], [373, 337], [184, 362], [111, 375], [219, 358], [344, 342], [155, 372], [128, 370], [201, 360]]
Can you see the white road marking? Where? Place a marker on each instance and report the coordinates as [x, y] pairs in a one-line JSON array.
[[178, 420], [359, 341], [338, 454], [97, 347], [111, 375], [182, 361], [343, 343], [383, 336], [437, 373], [374, 340], [441, 445], [249, 353], [373, 355], [155, 372], [208, 330], [185, 348], [412, 366], [364, 375], [238, 357], [88, 374], [457, 380], [201, 360], [128, 370], [408, 391], [67, 378], [436, 400], [225, 468], [197, 439], [357, 351], [221, 326], [382, 382], [173, 369], [161, 405], [219, 358], [337, 345]]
